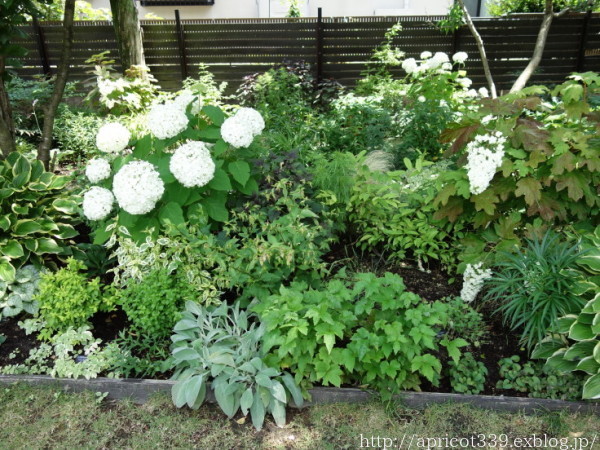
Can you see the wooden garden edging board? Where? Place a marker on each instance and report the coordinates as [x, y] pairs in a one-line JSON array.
[[140, 390]]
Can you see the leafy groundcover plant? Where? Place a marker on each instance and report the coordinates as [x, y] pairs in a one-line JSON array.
[[366, 330]]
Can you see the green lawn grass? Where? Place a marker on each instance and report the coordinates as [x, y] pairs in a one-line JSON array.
[[48, 418]]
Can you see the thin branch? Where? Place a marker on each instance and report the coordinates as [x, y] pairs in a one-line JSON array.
[[481, 47]]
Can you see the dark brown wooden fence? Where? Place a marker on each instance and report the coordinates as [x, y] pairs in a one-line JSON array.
[[233, 48]]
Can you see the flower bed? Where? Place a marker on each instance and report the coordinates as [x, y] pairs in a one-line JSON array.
[[410, 234]]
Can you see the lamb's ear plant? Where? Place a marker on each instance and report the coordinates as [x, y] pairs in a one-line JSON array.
[[218, 349]]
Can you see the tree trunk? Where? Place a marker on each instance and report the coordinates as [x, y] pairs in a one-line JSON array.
[[128, 32], [7, 131], [481, 47], [59, 84], [538, 51]]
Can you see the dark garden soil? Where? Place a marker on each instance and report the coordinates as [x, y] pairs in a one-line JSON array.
[[432, 285]]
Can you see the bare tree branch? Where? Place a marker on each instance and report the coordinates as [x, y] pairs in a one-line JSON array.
[[59, 84], [538, 50], [481, 47]]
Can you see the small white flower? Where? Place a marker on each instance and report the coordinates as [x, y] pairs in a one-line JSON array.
[[237, 133], [166, 121], [460, 57], [473, 280], [112, 138], [192, 164], [137, 187], [484, 92], [410, 65], [426, 55], [487, 119], [97, 203], [421, 98], [252, 118], [97, 169]]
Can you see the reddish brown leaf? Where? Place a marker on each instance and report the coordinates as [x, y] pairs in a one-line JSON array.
[[459, 137]]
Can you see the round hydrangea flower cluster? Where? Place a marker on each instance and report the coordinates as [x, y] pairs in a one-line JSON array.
[[137, 187], [484, 156], [186, 97], [410, 65], [436, 61], [166, 120], [192, 165], [98, 169], [97, 203], [426, 55], [460, 57], [473, 280], [484, 92], [112, 138], [240, 129]]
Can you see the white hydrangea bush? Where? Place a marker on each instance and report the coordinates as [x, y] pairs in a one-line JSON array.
[[146, 181]]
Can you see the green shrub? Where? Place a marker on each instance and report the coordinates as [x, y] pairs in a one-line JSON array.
[[75, 133], [468, 375], [548, 173], [393, 211], [535, 286], [19, 296], [367, 332], [68, 299], [153, 304], [37, 218], [220, 349], [538, 381]]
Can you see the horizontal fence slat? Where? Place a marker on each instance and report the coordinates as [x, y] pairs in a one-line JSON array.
[[233, 48]]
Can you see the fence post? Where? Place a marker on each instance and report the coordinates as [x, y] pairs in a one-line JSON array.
[[583, 41], [41, 45], [320, 46], [181, 41]]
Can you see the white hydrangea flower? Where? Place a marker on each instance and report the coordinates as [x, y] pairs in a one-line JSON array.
[[97, 169], [484, 92], [237, 133], [473, 280], [410, 65], [186, 97], [484, 157], [192, 164], [487, 119], [166, 121], [137, 187], [465, 82], [460, 57], [447, 66], [436, 61], [112, 138], [97, 203], [421, 98], [426, 55], [252, 118]]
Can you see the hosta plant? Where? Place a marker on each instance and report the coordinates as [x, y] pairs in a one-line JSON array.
[[219, 350], [36, 219], [574, 344], [191, 162], [19, 296]]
